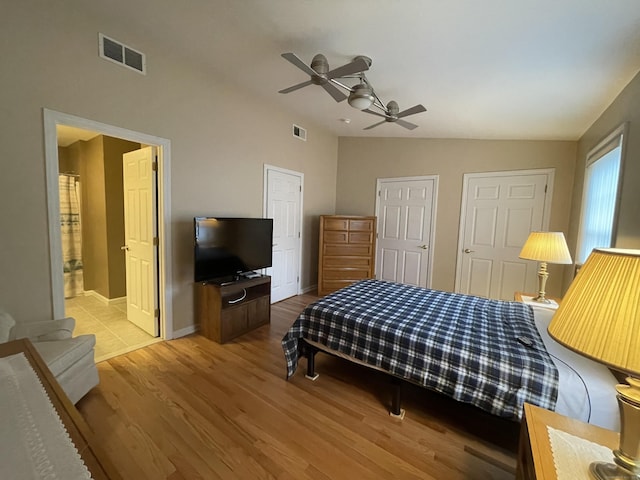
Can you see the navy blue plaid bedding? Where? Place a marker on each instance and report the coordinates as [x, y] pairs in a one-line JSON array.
[[463, 346]]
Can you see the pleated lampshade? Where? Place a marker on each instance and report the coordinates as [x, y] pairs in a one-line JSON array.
[[548, 247], [599, 317]]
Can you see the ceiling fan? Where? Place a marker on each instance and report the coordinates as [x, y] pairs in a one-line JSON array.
[[393, 114], [321, 75], [362, 96]]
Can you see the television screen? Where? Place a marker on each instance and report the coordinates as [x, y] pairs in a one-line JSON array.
[[230, 246]]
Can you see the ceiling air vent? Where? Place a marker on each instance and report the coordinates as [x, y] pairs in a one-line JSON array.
[[118, 52], [299, 132]]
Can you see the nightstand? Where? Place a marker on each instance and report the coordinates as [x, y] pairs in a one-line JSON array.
[[522, 297], [535, 458]]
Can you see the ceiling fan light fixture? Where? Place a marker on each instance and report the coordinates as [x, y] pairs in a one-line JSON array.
[[361, 97]]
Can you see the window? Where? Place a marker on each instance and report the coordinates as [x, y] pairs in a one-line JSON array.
[[600, 195]]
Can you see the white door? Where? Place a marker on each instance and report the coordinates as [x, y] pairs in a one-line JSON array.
[[406, 212], [139, 230], [499, 210], [284, 204]]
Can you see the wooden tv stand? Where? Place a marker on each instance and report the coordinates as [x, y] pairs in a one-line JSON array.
[[228, 310]]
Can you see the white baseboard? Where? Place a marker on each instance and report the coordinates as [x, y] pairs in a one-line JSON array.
[[183, 332], [310, 289], [105, 300]]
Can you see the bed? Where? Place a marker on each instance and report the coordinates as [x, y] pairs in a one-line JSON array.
[[493, 354]]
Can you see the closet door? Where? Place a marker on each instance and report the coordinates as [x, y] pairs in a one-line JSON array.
[[406, 208]]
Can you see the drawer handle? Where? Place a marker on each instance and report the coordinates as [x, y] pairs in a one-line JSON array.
[[244, 295]]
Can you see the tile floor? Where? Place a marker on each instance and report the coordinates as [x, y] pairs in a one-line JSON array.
[[115, 335]]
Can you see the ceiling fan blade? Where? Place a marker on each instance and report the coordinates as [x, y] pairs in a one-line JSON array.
[[357, 66], [298, 63], [374, 125], [374, 113], [405, 124], [337, 95], [411, 111], [296, 87]]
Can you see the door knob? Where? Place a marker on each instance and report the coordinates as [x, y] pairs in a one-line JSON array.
[[124, 247], [424, 247], [466, 250]]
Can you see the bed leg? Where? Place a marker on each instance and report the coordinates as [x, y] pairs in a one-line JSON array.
[[311, 364], [396, 410]]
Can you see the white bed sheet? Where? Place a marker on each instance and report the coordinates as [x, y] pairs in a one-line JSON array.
[[593, 401]]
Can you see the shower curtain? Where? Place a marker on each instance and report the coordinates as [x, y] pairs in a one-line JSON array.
[[71, 234]]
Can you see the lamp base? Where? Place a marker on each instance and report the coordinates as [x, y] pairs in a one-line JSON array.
[[542, 281], [541, 299], [610, 471]]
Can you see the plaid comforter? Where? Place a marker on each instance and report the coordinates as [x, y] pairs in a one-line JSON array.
[[462, 346]]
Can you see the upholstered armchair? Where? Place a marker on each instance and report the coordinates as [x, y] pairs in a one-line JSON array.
[[70, 359]]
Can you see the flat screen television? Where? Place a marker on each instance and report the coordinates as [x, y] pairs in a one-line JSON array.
[[228, 247]]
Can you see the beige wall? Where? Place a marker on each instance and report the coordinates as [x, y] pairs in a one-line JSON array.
[[220, 140], [94, 225], [113, 149], [67, 161], [363, 160], [625, 108], [99, 162]]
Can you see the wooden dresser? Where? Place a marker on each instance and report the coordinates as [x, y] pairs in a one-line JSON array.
[[347, 251]]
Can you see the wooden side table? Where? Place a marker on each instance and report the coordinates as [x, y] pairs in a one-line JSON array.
[[535, 458], [226, 311]]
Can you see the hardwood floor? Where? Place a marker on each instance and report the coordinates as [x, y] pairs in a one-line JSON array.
[[193, 409]]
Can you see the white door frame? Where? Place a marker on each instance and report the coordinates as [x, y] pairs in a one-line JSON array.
[[434, 210], [265, 207], [53, 118], [550, 172]]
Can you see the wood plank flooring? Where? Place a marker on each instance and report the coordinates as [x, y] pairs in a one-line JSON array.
[[193, 409]]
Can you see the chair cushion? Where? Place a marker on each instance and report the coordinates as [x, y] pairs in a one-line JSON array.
[[61, 354]]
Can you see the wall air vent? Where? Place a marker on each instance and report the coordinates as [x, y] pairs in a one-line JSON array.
[[299, 132], [119, 53]]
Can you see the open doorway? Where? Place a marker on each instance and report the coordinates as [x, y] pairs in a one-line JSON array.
[[102, 307]]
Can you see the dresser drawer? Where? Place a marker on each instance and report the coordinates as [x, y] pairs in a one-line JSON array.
[[351, 274], [361, 225], [336, 237], [348, 250], [360, 237], [347, 261], [336, 224]]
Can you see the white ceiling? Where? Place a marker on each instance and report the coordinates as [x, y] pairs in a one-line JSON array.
[[495, 69]]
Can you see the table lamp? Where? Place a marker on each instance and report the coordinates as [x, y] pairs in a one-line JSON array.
[[599, 318], [545, 247]]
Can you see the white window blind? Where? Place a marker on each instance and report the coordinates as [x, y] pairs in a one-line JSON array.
[[602, 179]]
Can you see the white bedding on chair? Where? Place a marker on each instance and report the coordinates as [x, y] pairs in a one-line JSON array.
[[593, 401]]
